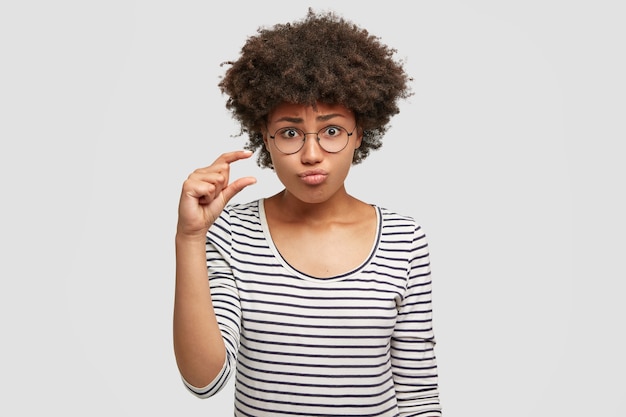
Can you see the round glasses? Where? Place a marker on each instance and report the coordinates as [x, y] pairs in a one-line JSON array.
[[290, 140]]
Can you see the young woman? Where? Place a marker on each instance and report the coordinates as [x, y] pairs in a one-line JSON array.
[[320, 302]]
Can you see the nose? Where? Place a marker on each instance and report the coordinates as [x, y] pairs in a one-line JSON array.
[[311, 151]]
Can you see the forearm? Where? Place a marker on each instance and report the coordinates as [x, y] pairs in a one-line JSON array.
[[198, 343]]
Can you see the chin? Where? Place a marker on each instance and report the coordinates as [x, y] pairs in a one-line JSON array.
[[313, 196]]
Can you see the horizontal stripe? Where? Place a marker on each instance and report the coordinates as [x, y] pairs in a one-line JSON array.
[[359, 344]]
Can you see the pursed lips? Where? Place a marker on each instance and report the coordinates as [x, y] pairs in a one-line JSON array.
[[314, 176]]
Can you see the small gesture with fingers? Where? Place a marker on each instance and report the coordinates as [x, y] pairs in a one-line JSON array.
[[206, 192]]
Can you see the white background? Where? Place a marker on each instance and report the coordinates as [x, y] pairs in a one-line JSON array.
[[507, 154]]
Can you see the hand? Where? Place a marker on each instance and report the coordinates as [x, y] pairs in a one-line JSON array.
[[206, 192]]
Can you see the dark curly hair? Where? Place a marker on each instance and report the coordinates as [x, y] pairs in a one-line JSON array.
[[324, 58]]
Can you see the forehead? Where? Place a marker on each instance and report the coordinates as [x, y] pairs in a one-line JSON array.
[[302, 112]]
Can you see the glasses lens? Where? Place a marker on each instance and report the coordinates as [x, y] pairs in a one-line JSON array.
[[290, 140], [333, 138]]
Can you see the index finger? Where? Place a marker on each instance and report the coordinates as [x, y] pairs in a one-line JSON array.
[[230, 157]]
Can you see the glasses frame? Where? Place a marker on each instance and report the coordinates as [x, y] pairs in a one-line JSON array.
[[317, 135]]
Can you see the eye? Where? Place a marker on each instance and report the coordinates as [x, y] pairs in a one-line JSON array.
[[331, 131], [289, 133]]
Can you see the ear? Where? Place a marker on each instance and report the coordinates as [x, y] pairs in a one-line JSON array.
[[264, 134], [359, 138]]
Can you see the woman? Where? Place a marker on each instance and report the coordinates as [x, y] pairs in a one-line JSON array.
[[320, 301]]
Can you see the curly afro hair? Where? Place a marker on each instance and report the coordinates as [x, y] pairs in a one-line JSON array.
[[321, 58]]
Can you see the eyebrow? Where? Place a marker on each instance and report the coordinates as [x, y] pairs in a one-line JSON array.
[[321, 118]]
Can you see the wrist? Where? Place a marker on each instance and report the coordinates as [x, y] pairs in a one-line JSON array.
[[186, 238]]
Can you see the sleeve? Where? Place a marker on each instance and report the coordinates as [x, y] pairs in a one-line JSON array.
[[412, 344], [225, 297]]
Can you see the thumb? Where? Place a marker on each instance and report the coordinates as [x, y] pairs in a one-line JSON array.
[[236, 186]]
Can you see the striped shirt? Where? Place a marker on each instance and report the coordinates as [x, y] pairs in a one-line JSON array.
[[358, 344]]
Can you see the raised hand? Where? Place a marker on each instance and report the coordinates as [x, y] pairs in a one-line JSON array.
[[206, 192]]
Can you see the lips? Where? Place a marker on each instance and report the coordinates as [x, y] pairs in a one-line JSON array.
[[314, 176]]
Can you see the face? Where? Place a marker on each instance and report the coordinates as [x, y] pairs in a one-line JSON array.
[[312, 174]]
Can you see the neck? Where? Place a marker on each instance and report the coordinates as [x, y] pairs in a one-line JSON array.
[[293, 209]]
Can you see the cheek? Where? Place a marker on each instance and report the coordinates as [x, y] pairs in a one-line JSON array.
[[346, 163], [282, 166]]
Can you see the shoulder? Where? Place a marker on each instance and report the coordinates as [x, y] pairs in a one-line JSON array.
[[401, 228], [394, 219], [234, 217], [239, 212], [242, 210]]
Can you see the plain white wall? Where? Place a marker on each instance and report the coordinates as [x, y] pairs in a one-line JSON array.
[[507, 154]]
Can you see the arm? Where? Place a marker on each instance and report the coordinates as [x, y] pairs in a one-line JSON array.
[[413, 341], [198, 342]]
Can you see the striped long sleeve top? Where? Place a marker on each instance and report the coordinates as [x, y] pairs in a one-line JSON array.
[[358, 344]]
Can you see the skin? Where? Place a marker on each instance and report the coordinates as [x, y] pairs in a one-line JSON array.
[[198, 344], [316, 219], [316, 225]]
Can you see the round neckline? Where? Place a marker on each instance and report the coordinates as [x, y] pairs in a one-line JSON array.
[[303, 275]]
